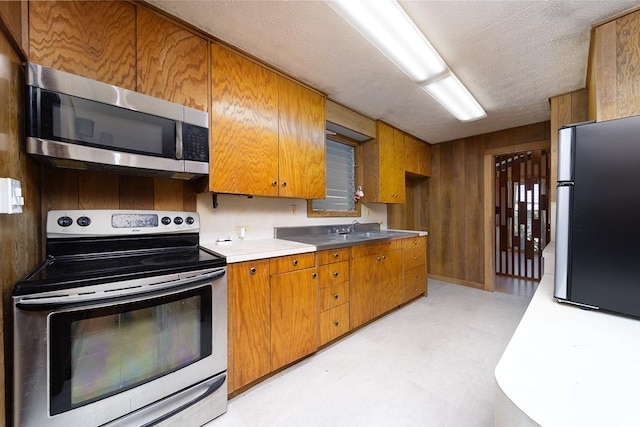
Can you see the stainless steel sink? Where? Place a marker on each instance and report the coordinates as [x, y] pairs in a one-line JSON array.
[[333, 240]]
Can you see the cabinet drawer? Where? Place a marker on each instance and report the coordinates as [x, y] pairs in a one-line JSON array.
[[333, 273], [334, 323], [375, 248], [411, 292], [329, 256], [414, 242], [414, 258], [334, 296], [415, 276], [288, 263]]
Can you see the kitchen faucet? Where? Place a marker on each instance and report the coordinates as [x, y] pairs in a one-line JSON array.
[[352, 227]]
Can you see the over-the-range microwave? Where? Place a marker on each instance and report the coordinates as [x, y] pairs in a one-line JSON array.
[[76, 122]]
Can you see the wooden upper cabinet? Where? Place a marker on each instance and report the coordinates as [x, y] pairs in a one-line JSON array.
[[417, 156], [384, 166], [302, 143], [244, 126], [267, 132], [89, 38], [172, 63]]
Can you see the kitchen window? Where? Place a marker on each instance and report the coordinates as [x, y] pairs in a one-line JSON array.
[[342, 155]]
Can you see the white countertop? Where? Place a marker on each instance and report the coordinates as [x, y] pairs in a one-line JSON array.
[[247, 250], [566, 366]]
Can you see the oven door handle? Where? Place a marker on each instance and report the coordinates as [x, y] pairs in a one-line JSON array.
[[113, 296]]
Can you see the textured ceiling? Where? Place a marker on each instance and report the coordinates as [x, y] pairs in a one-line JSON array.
[[511, 55]]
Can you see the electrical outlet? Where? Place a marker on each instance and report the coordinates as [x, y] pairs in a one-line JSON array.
[[11, 200], [241, 231], [368, 212], [293, 209]]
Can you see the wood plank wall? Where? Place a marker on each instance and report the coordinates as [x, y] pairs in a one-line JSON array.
[[19, 233], [613, 78], [456, 201]]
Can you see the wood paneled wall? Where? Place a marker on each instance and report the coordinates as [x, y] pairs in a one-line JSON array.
[[457, 247], [19, 233], [613, 78]]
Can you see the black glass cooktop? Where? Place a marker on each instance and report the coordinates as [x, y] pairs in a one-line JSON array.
[[94, 265]]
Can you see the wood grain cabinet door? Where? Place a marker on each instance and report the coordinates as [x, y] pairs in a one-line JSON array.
[[295, 315], [94, 39], [249, 322], [390, 281], [244, 126], [302, 142], [392, 184], [364, 273], [172, 63], [417, 156]]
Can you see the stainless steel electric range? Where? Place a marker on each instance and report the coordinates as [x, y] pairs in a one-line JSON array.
[[124, 323]]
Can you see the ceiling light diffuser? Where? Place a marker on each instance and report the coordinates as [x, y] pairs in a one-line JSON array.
[[386, 25], [453, 96]]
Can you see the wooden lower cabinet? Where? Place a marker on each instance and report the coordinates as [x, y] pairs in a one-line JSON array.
[[283, 309], [294, 316], [415, 267], [376, 280], [333, 270], [249, 318]]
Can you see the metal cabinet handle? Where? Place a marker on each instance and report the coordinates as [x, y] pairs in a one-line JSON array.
[[379, 258], [415, 257], [252, 270], [336, 323], [335, 274], [336, 296], [336, 255], [384, 257], [314, 275], [284, 183], [274, 183], [295, 262], [415, 275]]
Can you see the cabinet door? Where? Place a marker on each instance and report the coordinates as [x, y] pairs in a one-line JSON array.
[[249, 318], [89, 38], [363, 289], [391, 164], [172, 63], [294, 316], [417, 156], [244, 126], [390, 281], [302, 143]]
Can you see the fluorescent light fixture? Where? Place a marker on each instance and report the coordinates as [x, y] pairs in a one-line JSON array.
[[453, 96], [386, 25]]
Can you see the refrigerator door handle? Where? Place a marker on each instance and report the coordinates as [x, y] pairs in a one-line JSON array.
[[563, 228], [566, 146]]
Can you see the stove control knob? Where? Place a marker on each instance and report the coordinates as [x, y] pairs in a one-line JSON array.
[[178, 220], [166, 220], [64, 221], [83, 221], [190, 220]]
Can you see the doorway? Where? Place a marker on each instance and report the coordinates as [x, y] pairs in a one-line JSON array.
[[521, 199]]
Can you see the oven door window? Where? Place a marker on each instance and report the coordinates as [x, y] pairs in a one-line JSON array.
[[80, 121], [98, 352]]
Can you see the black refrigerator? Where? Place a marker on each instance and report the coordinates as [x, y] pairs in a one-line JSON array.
[[597, 261]]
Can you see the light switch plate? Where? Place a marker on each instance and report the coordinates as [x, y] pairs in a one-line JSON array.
[[11, 200]]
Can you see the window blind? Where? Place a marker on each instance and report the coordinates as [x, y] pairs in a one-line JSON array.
[[340, 178]]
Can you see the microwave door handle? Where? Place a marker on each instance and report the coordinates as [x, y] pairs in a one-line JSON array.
[[82, 300], [179, 140]]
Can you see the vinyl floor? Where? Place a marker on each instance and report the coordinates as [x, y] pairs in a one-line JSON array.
[[430, 363]]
